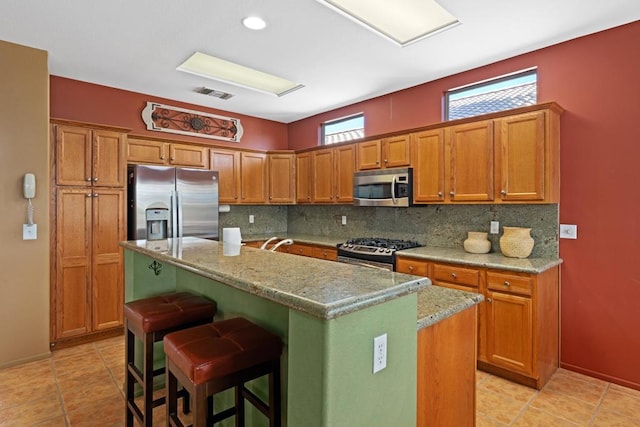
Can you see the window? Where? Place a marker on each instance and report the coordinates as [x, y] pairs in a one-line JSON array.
[[502, 93], [342, 130]]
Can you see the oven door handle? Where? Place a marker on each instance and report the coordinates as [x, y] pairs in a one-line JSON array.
[[393, 190], [364, 264]]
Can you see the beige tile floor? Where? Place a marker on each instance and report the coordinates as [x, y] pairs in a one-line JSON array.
[[82, 386]]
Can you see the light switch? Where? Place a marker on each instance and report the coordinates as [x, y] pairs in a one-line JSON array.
[[568, 231]]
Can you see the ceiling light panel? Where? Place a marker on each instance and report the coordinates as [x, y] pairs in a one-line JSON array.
[[254, 23], [402, 21], [210, 67]]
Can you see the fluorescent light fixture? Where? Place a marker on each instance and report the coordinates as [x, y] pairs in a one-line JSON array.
[[401, 21], [254, 23], [210, 67]]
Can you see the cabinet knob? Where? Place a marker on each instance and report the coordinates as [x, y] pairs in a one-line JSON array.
[[452, 193], [386, 161], [453, 275], [162, 157], [88, 179], [377, 162], [489, 300], [173, 158], [89, 194], [439, 193], [95, 179], [503, 192], [308, 197], [95, 194], [270, 198], [411, 268], [506, 283]]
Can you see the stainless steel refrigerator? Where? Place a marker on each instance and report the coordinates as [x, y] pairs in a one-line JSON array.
[[171, 202]]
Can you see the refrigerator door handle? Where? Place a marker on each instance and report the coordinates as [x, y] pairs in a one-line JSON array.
[[174, 214], [180, 224]]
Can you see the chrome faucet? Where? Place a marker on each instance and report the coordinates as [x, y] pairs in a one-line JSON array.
[[281, 243]]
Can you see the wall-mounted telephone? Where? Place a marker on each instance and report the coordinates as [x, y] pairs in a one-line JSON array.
[[29, 185]]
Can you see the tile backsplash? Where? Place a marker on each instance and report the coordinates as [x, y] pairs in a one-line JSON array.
[[432, 225]]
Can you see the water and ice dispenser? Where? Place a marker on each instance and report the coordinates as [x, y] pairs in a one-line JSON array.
[[157, 223]]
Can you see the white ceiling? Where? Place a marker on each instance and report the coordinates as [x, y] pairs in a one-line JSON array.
[[137, 45]]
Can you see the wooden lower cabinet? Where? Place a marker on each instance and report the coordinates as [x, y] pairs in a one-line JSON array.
[[446, 372], [87, 284], [518, 322]]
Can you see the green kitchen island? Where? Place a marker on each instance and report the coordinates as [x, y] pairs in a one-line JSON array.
[[327, 314]]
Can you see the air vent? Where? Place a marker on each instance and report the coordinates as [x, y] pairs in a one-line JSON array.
[[212, 92]]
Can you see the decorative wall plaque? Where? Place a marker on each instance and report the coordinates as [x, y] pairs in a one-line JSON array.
[[164, 118]]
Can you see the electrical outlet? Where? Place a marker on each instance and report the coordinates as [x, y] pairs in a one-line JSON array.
[[379, 353], [344, 220], [495, 227], [252, 219]]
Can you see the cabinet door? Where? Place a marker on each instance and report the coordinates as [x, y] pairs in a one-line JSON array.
[[73, 156], [253, 170], [73, 262], [189, 155], [227, 163], [147, 152], [107, 278], [345, 163], [303, 178], [322, 176], [396, 151], [428, 166], [471, 162], [109, 164], [281, 188], [510, 332], [369, 154], [520, 156]]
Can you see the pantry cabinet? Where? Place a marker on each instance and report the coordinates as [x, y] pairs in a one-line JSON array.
[[518, 322], [160, 152], [281, 178], [389, 152], [88, 222], [89, 157]]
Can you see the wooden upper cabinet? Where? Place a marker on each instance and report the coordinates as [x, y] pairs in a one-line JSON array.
[[345, 163], [322, 176], [427, 159], [281, 178], [89, 157], [303, 177], [147, 151], [389, 152], [469, 155], [253, 172], [227, 164], [192, 156], [158, 152], [520, 157]]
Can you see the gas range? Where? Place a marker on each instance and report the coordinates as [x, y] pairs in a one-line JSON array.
[[373, 251]]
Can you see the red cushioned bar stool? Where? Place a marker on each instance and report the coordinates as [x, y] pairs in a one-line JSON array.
[[215, 357], [150, 319]]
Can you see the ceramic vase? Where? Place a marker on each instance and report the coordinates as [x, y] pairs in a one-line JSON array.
[[477, 243], [516, 242]]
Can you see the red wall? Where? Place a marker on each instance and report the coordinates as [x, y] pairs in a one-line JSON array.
[[597, 80], [86, 102]]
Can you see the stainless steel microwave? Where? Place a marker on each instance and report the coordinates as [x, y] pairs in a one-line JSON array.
[[383, 187]]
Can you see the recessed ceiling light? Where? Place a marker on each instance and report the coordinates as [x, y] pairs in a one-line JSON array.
[[208, 66], [254, 23], [401, 21]]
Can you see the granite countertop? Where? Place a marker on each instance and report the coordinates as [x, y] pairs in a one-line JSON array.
[[490, 260], [323, 289], [436, 303], [431, 253]]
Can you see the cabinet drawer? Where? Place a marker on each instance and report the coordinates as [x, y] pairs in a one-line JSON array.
[[412, 266], [297, 249], [327, 253], [459, 275], [509, 283]]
